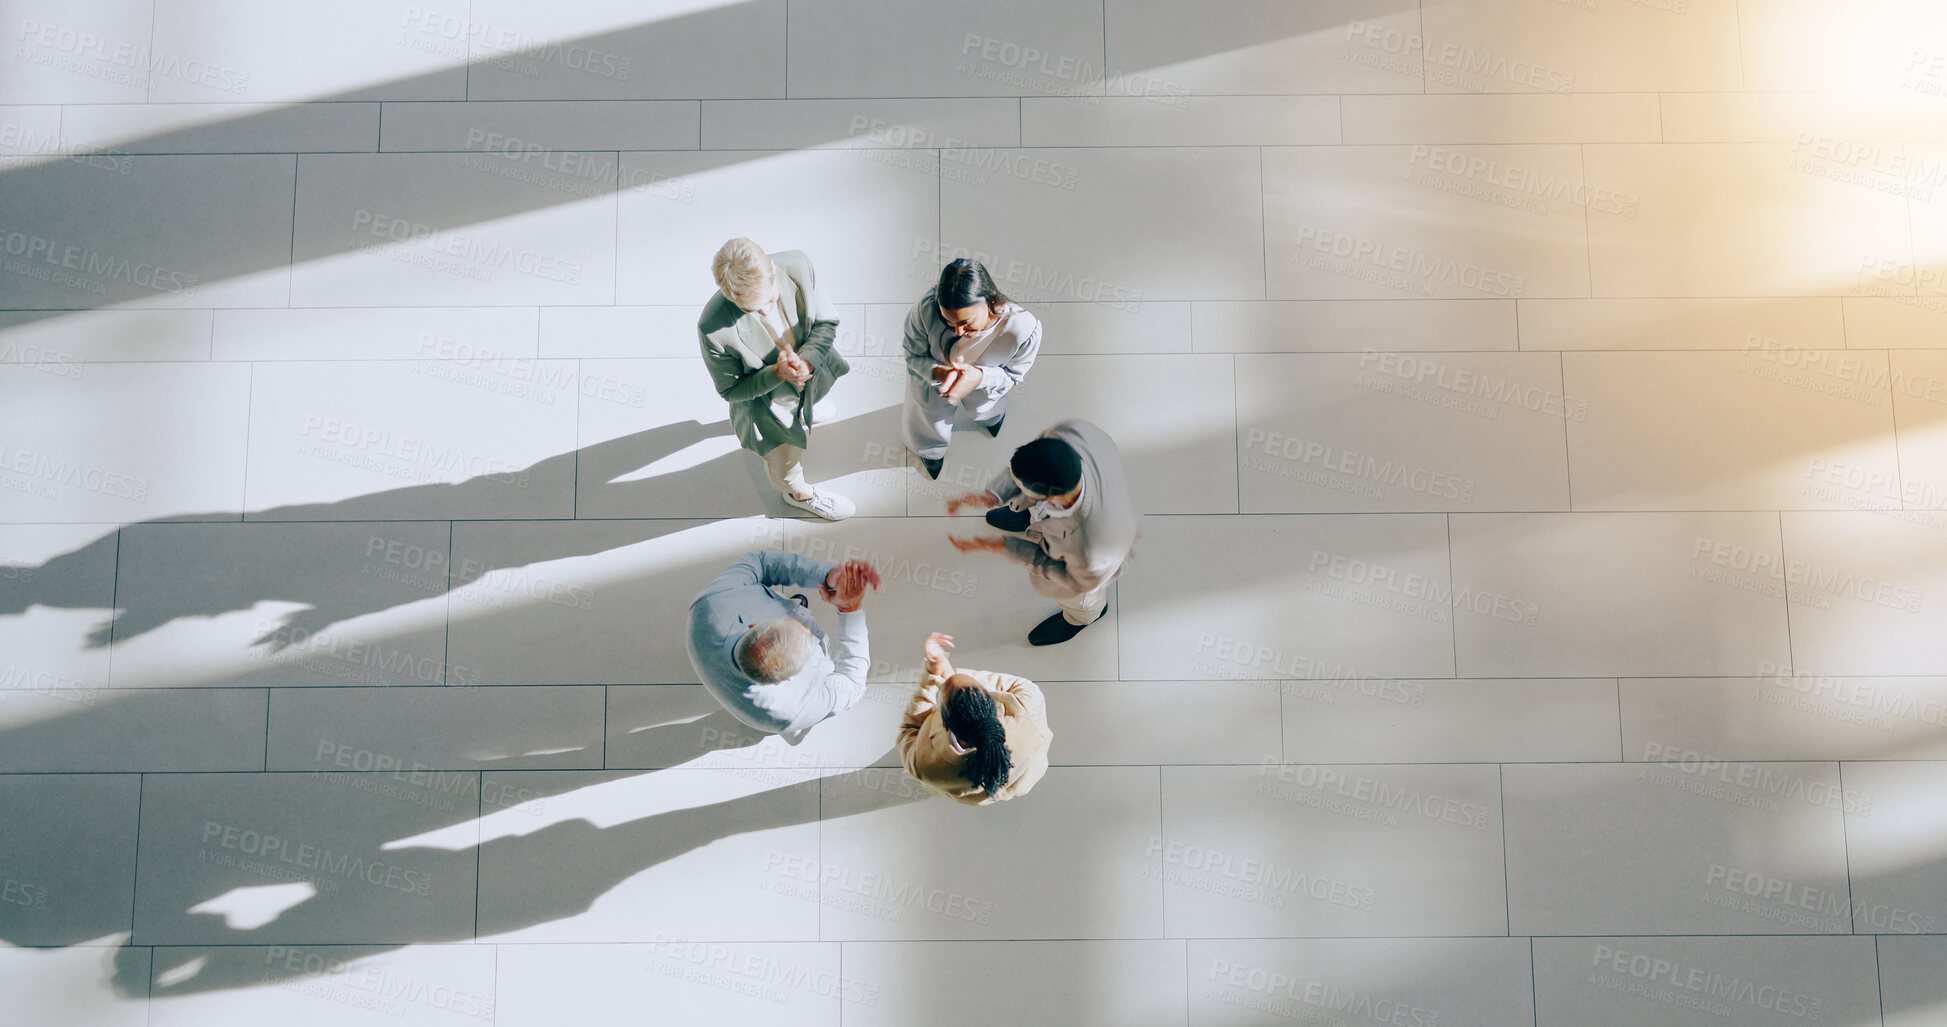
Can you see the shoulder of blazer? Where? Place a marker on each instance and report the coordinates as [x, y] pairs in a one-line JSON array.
[[718, 315], [795, 264]]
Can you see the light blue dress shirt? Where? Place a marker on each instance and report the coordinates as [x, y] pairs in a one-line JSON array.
[[832, 680]]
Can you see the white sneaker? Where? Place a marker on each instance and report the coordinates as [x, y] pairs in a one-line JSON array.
[[824, 411], [829, 505]]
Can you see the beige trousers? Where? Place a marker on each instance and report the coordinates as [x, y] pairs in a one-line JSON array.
[[785, 466], [1082, 610]]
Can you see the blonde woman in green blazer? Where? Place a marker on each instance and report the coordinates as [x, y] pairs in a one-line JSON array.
[[767, 338]]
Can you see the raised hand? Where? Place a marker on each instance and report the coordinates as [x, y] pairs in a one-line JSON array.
[[975, 545], [935, 649], [981, 500], [845, 586]]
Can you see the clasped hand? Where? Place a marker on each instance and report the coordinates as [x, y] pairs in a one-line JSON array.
[[957, 380], [845, 586], [792, 368]]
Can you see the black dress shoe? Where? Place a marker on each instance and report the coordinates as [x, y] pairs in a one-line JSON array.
[[1056, 630], [933, 467], [1006, 518], [994, 429]]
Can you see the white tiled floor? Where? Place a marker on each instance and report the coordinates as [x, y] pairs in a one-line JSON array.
[[1540, 407]]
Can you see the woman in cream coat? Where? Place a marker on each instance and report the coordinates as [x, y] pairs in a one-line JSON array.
[[974, 736]]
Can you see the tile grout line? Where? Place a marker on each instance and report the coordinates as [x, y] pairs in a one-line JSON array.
[[1879, 973], [1507, 889], [1453, 623], [1845, 847], [1791, 655], [1568, 448]]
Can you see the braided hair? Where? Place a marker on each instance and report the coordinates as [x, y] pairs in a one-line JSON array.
[[974, 719]]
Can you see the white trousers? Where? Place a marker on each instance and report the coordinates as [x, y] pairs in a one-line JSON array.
[[785, 466], [929, 417]]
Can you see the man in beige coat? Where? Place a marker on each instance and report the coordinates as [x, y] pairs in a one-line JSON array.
[[767, 338], [1065, 501], [974, 736]]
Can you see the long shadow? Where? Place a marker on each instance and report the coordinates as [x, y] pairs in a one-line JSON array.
[[206, 229]]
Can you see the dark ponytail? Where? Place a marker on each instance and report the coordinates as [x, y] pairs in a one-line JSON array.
[[975, 720], [964, 283]]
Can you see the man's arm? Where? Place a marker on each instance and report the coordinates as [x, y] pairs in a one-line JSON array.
[[771, 567], [732, 380], [1074, 577], [851, 659]]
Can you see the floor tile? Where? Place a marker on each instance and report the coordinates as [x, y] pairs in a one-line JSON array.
[[1253, 46], [324, 985], [84, 234], [1502, 118], [1014, 210], [1597, 595], [1867, 596], [89, 55], [307, 859], [786, 984], [869, 237], [1895, 322], [490, 229], [1718, 219], [353, 603], [1687, 844], [1894, 847], [642, 857], [172, 730], [656, 726], [1083, 983], [1398, 980], [1334, 851], [479, 340], [1337, 433], [70, 872], [58, 584], [464, 437], [1454, 222], [860, 123], [1482, 47], [1347, 720], [1919, 386], [233, 50], [1371, 598], [1782, 717], [1682, 324], [1724, 431], [895, 869], [1688, 982], [1909, 980], [1323, 326], [520, 127], [411, 730], [58, 343], [1164, 119], [222, 127], [178, 455], [1798, 44], [611, 49], [1811, 121], [1162, 722], [57, 985], [858, 48]]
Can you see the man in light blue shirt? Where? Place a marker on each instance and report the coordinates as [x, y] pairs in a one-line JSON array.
[[763, 655]]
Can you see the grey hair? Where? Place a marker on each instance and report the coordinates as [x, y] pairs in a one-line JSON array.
[[742, 271], [773, 650]]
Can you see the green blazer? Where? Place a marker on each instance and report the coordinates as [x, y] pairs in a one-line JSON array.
[[740, 355]]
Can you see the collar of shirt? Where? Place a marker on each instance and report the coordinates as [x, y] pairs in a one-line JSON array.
[[1046, 508]]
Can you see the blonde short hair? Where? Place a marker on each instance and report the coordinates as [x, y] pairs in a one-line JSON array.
[[742, 271]]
